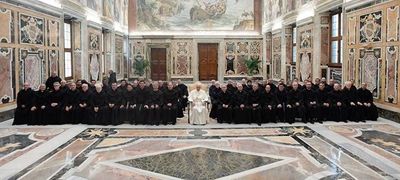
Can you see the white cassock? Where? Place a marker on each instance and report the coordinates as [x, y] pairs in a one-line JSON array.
[[199, 111]]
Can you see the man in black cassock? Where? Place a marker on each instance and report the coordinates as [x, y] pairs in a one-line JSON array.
[[24, 104], [122, 87], [56, 104], [51, 80], [99, 106], [310, 103], [338, 111], [40, 106], [323, 104], [84, 108], [351, 102], [114, 105], [224, 105], [170, 105], [281, 104], [129, 103], [70, 105], [368, 109], [112, 78], [214, 90], [183, 97], [255, 101], [269, 105], [295, 103], [142, 98], [155, 105], [240, 106]]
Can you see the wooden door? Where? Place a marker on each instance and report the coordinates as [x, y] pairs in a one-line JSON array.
[[158, 64], [208, 61]]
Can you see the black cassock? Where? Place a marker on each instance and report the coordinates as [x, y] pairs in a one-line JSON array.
[[224, 113], [170, 96], [322, 111], [351, 99], [113, 107], [99, 101], [337, 113], [71, 99], [50, 82], [24, 104], [310, 106], [368, 113], [269, 106], [213, 92], [142, 98], [295, 101], [155, 105], [84, 108], [183, 99], [281, 106], [255, 103], [240, 115], [40, 101], [55, 112], [128, 112]]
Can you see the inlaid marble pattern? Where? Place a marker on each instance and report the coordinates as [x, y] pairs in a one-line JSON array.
[[207, 152], [15, 142], [6, 74]]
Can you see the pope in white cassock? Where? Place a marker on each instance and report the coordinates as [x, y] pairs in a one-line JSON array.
[[198, 99]]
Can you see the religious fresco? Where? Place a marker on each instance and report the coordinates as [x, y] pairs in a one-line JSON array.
[[275, 9], [31, 30], [7, 30], [96, 5], [6, 75], [239, 153], [162, 15]]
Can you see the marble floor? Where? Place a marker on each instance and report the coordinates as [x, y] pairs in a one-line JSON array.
[[216, 151]]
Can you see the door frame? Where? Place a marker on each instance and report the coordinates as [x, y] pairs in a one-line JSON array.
[[220, 61], [168, 57]]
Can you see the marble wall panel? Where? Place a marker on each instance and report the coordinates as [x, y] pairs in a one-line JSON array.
[[6, 75], [351, 33], [371, 27], [53, 29], [182, 55], [276, 56], [393, 23], [370, 69], [392, 54], [32, 64], [7, 29], [31, 29], [53, 61]]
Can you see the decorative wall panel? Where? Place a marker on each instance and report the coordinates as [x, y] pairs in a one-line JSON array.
[[336, 74], [351, 33], [31, 30], [119, 55], [6, 75], [305, 51], [7, 26], [138, 53], [95, 60], [370, 27], [53, 61], [351, 63], [276, 56], [391, 84], [392, 21], [182, 55], [238, 51], [32, 67], [370, 69], [53, 33]]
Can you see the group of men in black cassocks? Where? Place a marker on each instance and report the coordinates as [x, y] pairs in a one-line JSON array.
[[252, 102], [141, 102]]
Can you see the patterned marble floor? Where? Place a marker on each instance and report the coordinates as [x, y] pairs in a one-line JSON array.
[[216, 151]]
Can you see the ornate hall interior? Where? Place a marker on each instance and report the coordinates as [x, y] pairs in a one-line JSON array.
[[199, 89]]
